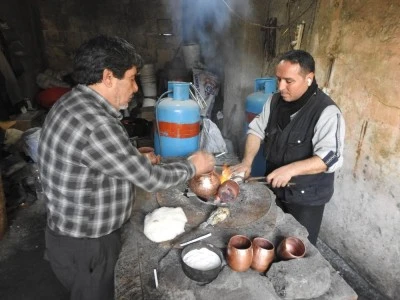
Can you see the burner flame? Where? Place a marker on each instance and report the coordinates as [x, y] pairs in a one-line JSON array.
[[226, 173]]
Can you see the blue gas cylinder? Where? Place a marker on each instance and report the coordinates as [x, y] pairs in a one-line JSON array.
[[177, 131], [263, 90]]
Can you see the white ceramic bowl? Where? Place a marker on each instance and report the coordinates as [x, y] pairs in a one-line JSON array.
[[148, 102]]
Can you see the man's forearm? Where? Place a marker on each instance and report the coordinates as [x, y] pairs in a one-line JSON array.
[[281, 176], [309, 166]]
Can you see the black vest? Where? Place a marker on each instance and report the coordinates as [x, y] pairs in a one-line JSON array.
[[294, 143]]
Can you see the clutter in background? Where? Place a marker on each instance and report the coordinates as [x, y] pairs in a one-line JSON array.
[[12, 136], [53, 84], [49, 96], [148, 81], [148, 102], [211, 139], [50, 78], [208, 85], [21, 183], [31, 142]]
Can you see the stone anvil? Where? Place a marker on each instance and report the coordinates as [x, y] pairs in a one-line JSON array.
[[255, 214]]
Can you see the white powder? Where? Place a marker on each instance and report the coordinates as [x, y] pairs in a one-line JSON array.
[[202, 259]]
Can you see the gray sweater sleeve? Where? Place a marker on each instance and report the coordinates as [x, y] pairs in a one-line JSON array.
[[328, 139]]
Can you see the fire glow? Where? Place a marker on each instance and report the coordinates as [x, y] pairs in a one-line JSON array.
[[226, 174]]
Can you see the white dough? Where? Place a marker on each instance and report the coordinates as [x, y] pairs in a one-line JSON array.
[[202, 259], [164, 224]]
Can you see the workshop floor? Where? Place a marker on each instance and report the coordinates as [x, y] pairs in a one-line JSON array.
[[25, 275]]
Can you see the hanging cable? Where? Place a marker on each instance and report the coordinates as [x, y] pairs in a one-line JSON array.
[[244, 20]]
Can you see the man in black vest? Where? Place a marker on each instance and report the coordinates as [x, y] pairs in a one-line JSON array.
[[303, 131]]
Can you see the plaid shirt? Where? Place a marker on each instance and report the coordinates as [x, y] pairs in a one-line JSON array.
[[89, 168]]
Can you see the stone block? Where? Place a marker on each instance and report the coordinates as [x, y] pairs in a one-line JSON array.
[[304, 278], [288, 225]]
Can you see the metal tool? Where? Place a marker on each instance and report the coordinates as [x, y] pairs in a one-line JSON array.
[[196, 239], [262, 179], [218, 155]]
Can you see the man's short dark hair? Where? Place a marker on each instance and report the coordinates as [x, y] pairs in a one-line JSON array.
[[301, 57], [104, 52]]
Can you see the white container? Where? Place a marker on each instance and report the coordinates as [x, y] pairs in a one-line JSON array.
[[149, 89], [147, 69], [147, 75], [147, 102]]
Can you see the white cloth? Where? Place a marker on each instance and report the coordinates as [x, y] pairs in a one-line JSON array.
[[164, 224]]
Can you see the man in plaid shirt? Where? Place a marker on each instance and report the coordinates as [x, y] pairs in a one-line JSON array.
[[89, 168]]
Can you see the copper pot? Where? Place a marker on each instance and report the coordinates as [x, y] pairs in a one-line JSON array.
[[263, 254], [291, 247], [149, 153], [239, 254], [205, 185], [228, 191]]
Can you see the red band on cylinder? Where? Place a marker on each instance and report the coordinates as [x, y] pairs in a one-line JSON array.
[[250, 116], [174, 130]]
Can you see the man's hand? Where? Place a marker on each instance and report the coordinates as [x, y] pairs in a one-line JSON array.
[[251, 148], [243, 168], [204, 162], [280, 177]]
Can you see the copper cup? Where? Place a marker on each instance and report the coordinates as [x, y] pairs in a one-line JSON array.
[[239, 254], [149, 153], [263, 254], [291, 247], [228, 191]]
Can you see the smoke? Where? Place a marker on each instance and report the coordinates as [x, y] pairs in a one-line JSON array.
[[209, 23]]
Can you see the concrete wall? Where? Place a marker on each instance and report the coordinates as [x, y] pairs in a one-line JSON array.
[[66, 24], [355, 44], [363, 220], [23, 17]]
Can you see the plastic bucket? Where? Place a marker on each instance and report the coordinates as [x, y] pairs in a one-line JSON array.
[[149, 89]]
